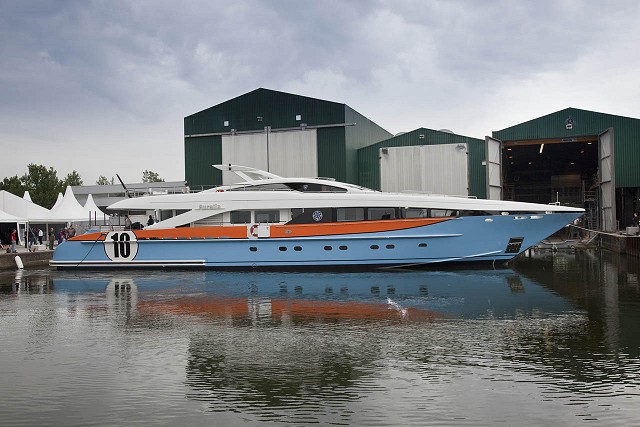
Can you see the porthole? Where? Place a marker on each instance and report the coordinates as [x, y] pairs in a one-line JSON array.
[[297, 248], [283, 248], [253, 249], [343, 248], [422, 245], [391, 246], [328, 248], [374, 247]]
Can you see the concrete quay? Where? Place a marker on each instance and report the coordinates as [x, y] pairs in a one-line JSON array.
[[38, 258]]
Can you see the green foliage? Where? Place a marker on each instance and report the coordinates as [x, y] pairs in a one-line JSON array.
[[72, 179], [13, 185], [150, 176], [42, 183], [103, 180]]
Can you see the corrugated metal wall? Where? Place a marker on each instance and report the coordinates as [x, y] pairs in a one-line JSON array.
[[263, 107], [291, 153], [336, 145], [369, 160], [438, 169], [587, 123], [364, 133], [331, 153], [199, 155], [245, 150]]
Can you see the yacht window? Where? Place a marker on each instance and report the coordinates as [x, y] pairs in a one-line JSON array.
[[350, 214], [261, 187], [436, 213], [414, 213], [314, 187], [381, 213], [240, 217], [271, 216]]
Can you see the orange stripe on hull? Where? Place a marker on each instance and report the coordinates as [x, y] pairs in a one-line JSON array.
[[277, 231]]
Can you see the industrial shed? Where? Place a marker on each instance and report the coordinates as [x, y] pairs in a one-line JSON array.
[[425, 160], [572, 157], [285, 134]]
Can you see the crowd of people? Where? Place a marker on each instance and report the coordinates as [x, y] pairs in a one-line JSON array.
[[36, 236]]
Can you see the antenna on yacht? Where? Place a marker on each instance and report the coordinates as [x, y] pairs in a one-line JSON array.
[[124, 186]]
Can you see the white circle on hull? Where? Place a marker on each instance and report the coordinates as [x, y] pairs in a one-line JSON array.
[[121, 245]]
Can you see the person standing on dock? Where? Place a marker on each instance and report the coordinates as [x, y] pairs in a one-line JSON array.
[[40, 235], [52, 238], [14, 239], [31, 239]]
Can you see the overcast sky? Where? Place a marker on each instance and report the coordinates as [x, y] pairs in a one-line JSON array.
[[102, 87]]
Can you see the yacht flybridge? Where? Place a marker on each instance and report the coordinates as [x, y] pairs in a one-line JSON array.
[[268, 221]]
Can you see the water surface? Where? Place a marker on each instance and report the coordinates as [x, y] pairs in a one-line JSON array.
[[553, 339]]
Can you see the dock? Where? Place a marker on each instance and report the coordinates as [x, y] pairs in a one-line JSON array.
[[36, 259]]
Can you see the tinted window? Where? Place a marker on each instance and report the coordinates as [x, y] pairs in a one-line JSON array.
[[350, 214], [270, 216], [240, 217]]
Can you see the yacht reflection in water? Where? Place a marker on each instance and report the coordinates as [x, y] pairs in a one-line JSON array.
[[315, 297], [262, 342]]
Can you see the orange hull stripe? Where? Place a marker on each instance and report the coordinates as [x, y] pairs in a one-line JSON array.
[[277, 231]]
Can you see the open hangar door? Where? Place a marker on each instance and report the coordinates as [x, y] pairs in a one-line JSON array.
[[559, 170]]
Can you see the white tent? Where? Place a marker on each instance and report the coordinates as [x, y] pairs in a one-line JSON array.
[[91, 209], [13, 222], [68, 210], [58, 201], [6, 217], [27, 196], [18, 206]]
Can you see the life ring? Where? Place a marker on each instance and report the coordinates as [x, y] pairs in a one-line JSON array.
[[252, 230]]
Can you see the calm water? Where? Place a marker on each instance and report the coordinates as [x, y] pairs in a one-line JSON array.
[[553, 340]]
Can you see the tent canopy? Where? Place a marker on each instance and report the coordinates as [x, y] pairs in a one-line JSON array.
[[6, 217], [68, 210], [21, 208]]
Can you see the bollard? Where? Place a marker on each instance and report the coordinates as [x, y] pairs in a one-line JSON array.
[[19, 263]]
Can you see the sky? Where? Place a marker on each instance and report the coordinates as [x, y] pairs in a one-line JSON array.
[[102, 86]]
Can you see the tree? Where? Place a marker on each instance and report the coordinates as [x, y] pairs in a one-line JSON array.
[[43, 185], [13, 185], [72, 179], [150, 176], [103, 180]]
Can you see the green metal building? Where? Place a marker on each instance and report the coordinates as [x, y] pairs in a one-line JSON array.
[[285, 134], [575, 157], [470, 172]]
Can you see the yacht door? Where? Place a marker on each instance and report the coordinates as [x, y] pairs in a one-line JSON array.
[[493, 166], [607, 181]]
